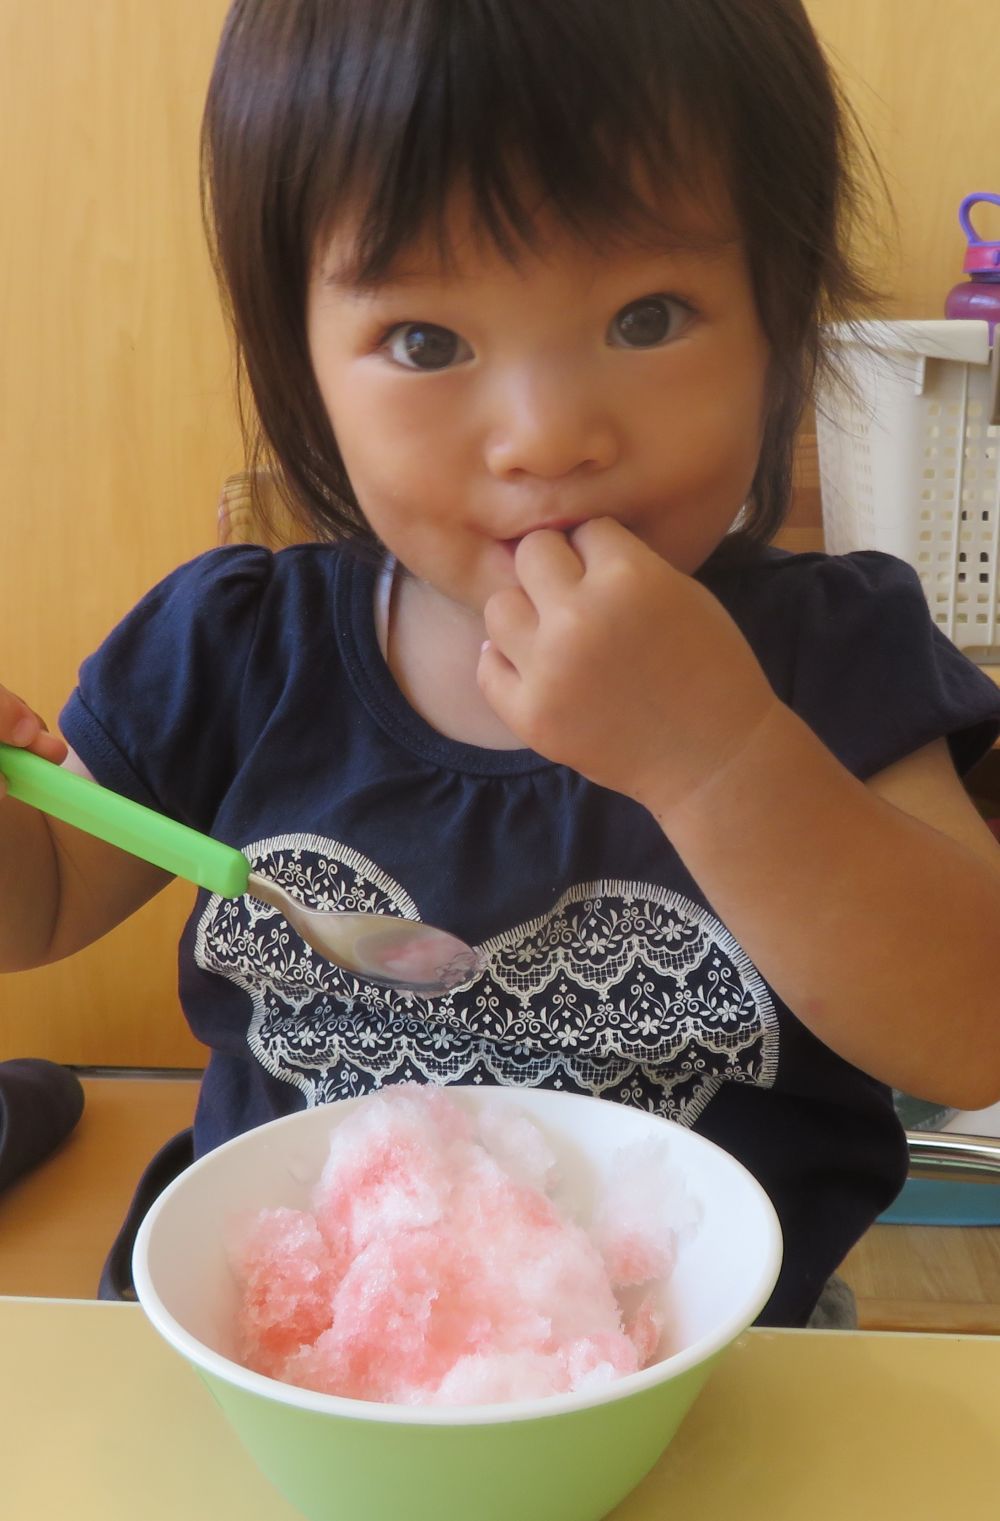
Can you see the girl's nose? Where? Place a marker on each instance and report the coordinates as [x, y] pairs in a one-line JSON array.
[[550, 428]]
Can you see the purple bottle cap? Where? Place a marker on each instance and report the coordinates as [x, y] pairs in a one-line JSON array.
[[980, 256]]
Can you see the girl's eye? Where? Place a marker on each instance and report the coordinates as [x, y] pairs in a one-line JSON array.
[[425, 346], [647, 322]]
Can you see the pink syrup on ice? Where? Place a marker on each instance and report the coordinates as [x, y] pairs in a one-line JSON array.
[[434, 1267]]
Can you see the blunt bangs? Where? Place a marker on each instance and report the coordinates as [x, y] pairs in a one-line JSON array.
[[478, 105], [376, 111]]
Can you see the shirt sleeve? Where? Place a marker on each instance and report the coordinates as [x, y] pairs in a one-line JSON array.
[[157, 712], [873, 675]]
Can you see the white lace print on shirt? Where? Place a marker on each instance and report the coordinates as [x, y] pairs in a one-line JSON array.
[[623, 988]]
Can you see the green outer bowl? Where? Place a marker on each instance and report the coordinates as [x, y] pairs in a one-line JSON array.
[[571, 1467], [570, 1457]]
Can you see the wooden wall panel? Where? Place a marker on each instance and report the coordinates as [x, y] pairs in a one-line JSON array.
[[924, 77], [116, 418]]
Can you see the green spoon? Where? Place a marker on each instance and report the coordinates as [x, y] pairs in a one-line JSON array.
[[395, 953]]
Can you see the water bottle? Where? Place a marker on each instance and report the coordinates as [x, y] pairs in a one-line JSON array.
[[980, 296]]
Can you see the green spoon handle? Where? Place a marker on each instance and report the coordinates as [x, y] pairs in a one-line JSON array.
[[139, 830]]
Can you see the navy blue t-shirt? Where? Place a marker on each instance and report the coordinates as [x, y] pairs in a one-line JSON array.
[[246, 696]]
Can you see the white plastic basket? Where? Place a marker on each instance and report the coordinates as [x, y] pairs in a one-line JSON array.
[[910, 464]]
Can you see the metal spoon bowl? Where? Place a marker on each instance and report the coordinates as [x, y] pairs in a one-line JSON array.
[[395, 953]]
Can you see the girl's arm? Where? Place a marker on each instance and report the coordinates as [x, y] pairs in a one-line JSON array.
[[59, 889], [872, 910]]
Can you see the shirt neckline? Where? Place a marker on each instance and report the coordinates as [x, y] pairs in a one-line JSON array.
[[373, 682]]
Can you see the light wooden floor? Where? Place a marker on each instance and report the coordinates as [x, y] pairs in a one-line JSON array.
[[57, 1225], [927, 1278]]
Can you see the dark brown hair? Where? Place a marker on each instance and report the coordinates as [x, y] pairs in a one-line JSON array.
[[384, 106]]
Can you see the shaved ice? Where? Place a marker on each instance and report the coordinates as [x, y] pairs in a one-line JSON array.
[[436, 1266]]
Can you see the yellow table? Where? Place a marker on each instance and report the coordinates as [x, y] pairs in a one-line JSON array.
[[100, 1420]]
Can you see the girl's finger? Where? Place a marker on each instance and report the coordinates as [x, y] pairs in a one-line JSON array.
[[599, 536], [498, 680], [603, 543], [19, 725], [52, 746], [511, 622], [547, 563], [22, 726]]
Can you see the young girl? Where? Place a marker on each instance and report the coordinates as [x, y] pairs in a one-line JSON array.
[[529, 300]]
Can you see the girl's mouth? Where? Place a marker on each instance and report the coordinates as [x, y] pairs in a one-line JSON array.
[[557, 525]]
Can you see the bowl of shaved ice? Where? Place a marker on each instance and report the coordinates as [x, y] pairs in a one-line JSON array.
[[487, 1302]]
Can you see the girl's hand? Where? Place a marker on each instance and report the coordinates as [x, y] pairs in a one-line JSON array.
[[608, 660], [21, 726]]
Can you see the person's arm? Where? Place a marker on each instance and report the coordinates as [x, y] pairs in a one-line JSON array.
[[872, 910], [60, 889]]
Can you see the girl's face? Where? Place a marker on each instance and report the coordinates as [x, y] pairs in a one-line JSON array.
[[476, 404]]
